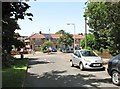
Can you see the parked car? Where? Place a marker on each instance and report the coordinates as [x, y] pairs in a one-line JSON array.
[[54, 50], [70, 49], [114, 69], [86, 59], [62, 49]]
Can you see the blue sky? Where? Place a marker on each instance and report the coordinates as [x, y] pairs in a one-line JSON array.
[[53, 16]]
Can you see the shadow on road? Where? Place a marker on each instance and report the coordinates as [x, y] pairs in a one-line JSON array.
[[58, 79], [35, 61]]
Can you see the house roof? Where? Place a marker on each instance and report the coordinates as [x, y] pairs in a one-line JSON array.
[[44, 35], [47, 35], [55, 35], [79, 36], [37, 35]]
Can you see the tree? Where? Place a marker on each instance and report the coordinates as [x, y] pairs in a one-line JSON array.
[[11, 12], [66, 40], [60, 32], [91, 44], [103, 18], [46, 45]]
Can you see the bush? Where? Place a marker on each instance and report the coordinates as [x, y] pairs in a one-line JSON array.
[[7, 60], [88, 48], [44, 51], [45, 46]]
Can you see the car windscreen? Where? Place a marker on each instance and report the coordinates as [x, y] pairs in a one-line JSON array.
[[88, 53]]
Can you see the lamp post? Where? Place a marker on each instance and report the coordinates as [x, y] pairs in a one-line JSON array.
[[85, 33], [49, 35], [74, 34]]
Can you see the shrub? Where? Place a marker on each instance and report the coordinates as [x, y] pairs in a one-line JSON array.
[[7, 60], [44, 51], [46, 45]]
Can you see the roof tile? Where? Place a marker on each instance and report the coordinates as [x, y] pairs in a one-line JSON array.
[[37, 35]]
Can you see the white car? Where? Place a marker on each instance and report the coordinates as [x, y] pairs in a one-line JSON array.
[[86, 59]]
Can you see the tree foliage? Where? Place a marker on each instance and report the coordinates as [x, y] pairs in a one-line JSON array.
[[60, 32], [91, 44], [66, 39], [46, 45], [104, 19], [11, 12]]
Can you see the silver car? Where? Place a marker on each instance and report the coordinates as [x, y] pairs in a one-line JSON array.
[[86, 59]]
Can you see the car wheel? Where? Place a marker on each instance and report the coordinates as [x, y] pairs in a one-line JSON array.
[[116, 78], [81, 66], [71, 63]]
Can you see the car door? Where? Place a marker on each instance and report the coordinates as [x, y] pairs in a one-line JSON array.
[[78, 59], [75, 57], [119, 62]]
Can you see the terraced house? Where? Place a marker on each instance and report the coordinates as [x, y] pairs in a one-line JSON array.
[[37, 39]]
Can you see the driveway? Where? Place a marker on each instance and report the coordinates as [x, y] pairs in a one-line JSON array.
[[54, 71]]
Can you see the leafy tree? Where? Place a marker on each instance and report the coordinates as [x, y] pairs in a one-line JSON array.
[[16, 35], [103, 18], [91, 44], [60, 32], [46, 45], [66, 39], [11, 12]]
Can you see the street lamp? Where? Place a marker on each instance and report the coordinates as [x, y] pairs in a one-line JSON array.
[[49, 35], [85, 33], [74, 33]]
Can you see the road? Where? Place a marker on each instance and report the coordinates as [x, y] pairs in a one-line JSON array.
[[54, 71]]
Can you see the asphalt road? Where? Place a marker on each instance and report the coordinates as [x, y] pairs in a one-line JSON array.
[[54, 71]]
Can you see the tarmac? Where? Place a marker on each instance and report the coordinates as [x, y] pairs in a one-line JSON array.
[[105, 61]]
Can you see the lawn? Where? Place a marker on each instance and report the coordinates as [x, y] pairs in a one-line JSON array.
[[14, 76]]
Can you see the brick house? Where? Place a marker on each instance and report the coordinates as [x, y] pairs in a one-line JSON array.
[[78, 39], [37, 39]]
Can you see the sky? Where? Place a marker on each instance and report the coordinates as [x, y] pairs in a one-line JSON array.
[[53, 16]]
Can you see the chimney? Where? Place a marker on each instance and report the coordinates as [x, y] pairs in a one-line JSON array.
[[80, 34], [40, 32]]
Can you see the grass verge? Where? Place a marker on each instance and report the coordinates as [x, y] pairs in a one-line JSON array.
[[14, 76]]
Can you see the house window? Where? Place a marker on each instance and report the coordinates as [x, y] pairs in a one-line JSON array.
[[38, 39], [37, 46], [77, 40], [33, 38]]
